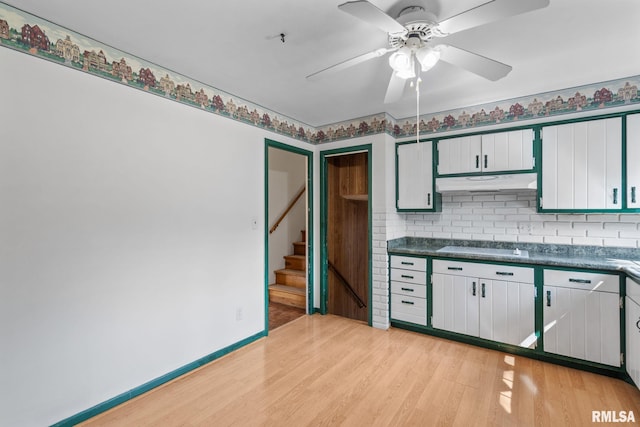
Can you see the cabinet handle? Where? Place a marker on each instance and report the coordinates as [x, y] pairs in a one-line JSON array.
[[615, 196], [483, 291], [633, 194], [477, 162], [407, 289], [408, 302], [406, 263], [486, 163], [455, 268], [504, 273], [548, 298], [638, 325], [473, 292], [406, 276], [587, 281]]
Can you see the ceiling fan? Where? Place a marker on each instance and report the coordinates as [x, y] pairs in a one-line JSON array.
[[412, 39]]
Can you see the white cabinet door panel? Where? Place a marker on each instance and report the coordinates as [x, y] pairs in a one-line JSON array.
[[582, 324], [633, 161], [633, 340], [582, 165], [506, 151], [459, 155], [507, 312], [455, 308], [415, 175]]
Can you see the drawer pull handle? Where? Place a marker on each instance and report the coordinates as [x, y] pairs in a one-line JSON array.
[[486, 163], [473, 289], [428, 199], [455, 268], [548, 298], [406, 276], [504, 273], [477, 162], [638, 325], [483, 291], [615, 196], [633, 194], [579, 280], [407, 289], [408, 302], [406, 263]]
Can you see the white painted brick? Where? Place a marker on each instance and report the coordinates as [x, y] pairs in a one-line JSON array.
[[493, 217], [588, 226], [505, 197], [620, 226], [557, 240], [482, 237], [484, 198], [441, 235], [571, 232], [530, 239], [493, 230], [483, 223], [625, 243], [481, 211], [602, 218], [587, 241], [506, 238], [461, 236], [603, 233]]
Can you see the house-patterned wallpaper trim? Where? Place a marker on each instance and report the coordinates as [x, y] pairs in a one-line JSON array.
[[29, 34]]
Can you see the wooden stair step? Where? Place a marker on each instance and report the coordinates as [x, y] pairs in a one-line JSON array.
[[287, 295], [299, 248], [287, 276], [295, 262]]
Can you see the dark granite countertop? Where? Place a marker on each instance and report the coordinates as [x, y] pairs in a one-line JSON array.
[[615, 259]]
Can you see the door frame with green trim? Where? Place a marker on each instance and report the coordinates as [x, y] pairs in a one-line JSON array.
[[309, 157], [323, 223]]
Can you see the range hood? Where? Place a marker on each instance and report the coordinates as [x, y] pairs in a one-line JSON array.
[[516, 181]]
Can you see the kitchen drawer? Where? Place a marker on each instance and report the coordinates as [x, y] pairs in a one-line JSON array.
[[409, 309], [409, 289], [484, 271], [409, 276], [408, 263], [600, 282], [633, 290]]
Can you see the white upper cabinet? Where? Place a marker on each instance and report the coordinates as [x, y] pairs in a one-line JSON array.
[[633, 161], [489, 153], [582, 165], [414, 185]]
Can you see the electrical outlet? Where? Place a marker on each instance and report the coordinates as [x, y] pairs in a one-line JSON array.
[[239, 314]]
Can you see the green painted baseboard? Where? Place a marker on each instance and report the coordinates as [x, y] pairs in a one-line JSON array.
[[108, 404]]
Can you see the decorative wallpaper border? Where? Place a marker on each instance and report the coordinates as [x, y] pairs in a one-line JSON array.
[[27, 33]]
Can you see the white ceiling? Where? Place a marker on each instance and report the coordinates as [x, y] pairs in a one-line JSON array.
[[235, 47]]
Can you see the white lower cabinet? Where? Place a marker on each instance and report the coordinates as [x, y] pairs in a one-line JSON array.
[[409, 289], [581, 315], [632, 307], [489, 301]]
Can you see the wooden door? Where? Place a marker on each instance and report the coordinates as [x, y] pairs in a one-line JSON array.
[[348, 236]]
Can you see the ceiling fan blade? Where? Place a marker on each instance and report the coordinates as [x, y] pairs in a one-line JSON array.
[[488, 12], [477, 64], [395, 90], [369, 13], [349, 63]]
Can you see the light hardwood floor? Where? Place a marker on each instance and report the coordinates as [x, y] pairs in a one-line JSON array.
[[327, 370]]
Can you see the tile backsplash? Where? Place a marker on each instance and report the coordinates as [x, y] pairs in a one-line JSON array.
[[512, 217]]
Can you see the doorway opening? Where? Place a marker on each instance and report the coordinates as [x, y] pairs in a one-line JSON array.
[[346, 233], [288, 233]]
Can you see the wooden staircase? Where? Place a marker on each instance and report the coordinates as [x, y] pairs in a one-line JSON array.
[[291, 281]]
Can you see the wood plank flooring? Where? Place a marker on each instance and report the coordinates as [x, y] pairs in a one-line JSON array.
[[327, 370]]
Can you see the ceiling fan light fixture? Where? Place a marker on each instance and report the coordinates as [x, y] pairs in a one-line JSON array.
[[427, 57], [401, 60]]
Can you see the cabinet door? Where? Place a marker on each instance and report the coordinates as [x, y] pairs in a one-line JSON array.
[[582, 324], [455, 304], [633, 340], [507, 312], [582, 165], [633, 163], [460, 155], [507, 151], [415, 175]]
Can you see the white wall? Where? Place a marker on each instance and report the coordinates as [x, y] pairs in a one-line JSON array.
[[126, 246]]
